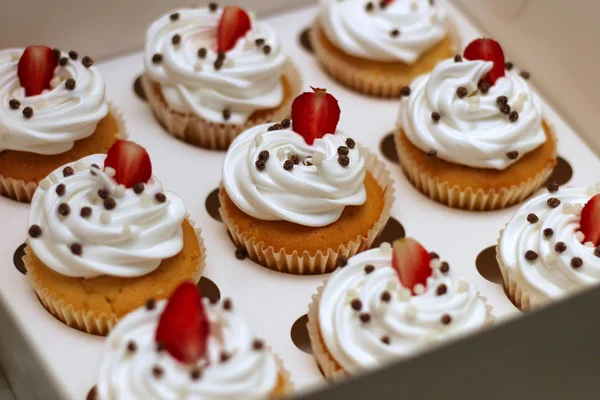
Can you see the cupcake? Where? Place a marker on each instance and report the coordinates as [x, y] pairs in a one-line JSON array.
[[214, 72], [187, 347], [378, 47], [471, 133], [300, 197], [104, 237], [390, 304], [54, 112], [549, 249]]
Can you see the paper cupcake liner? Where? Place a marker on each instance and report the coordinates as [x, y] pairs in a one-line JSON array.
[[89, 321], [360, 80], [22, 191], [211, 135], [284, 374], [322, 261], [329, 367], [468, 198]]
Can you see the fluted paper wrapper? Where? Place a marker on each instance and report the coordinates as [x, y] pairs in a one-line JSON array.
[[89, 321], [286, 386], [321, 262], [329, 367], [362, 81], [23, 191], [211, 135], [468, 198]]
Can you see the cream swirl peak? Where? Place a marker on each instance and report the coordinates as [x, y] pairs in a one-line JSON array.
[[472, 130], [296, 182], [401, 31], [543, 247], [367, 318], [67, 112], [83, 224], [132, 368], [181, 56]]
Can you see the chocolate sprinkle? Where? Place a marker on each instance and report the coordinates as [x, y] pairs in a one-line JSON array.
[[150, 304], [435, 116], [513, 116], [76, 249], [385, 339], [103, 193], [343, 150], [174, 16], [525, 75], [434, 255], [512, 155], [110, 203], [405, 91], [501, 100], [14, 104], [70, 84], [344, 161], [356, 304], [68, 171], [369, 268], [505, 109], [63, 61], [350, 143], [176, 39], [221, 56], [87, 61], [258, 345], [288, 165], [508, 65], [196, 374], [218, 64], [395, 33], [57, 53], [576, 262], [560, 247], [341, 262], [85, 212], [441, 289], [446, 319], [461, 92], [458, 58], [553, 202], [224, 357], [213, 7], [28, 112], [484, 87], [226, 114], [552, 187], [260, 164], [383, 4], [64, 209], [138, 188], [157, 58], [157, 372], [160, 347], [386, 297], [286, 123], [259, 42], [160, 197], [597, 251], [241, 253], [275, 127], [531, 255], [548, 232], [35, 231], [365, 317], [432, 153], [267, 50], [202, 52], [444, 267], [369, 7], [131, 346], [294, 158], [61, 189], [227, 304], [264, 155], [532, 218]]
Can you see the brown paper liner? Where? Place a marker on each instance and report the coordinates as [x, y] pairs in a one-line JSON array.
[[211, 135], [23, 191], [320, 262], [330, 368], [89, 321], [357, 78], [468, 198]]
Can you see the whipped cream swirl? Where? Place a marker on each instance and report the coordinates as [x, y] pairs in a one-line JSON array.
[[551, 275], [247, 374], [313, 193], [399, 327], [472, 131], [60, 116], [249, 79], [368, 34], [128, 240]]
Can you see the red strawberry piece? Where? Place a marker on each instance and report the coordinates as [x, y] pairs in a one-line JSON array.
[[315, 114], [130, 161], [183, 326], [411, 262], [36, 69], [234, 24], [487, 50], [590, 220]]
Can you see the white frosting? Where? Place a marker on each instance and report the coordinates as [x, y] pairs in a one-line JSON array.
[[472, 131], [60, 116], [551, 275], [130, 240], [367, 35], [249, 80], [248, 374], [412, 323], [309, 195]]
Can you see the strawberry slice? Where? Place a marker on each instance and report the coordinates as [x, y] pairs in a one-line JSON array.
[[234, 24], [183, 326], [130, 161], [36, 69], [590, 220], [487, 50], [411, 262], [315, 114]]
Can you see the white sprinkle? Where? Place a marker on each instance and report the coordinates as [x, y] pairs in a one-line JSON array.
[[318, 158], [580, 236], [15, 56], [391, 285], [116, 342], [414, 6], [419, 289], [598, 186], [385, 247], [473, 107], [517, 106], [551, 258], [120, 191], [126, 230], [431, 338], [435, 263], [53, 178], [258, 139], [462, 287], [78, 167], [249, 45], [105, 217], [352, 293], [44, 185], [433, 18], [145, 200], [229, 63], [198, 66], [55, 82], [523, 97], [591, 191], [475, 100], [568, 208], [404, 294], [410, 312], [471, 87], [40, 104], [280, 153], [589, 244], [577, 208], [110, 171]]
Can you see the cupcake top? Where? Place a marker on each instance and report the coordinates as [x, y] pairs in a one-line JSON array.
[[273, 172], [49, 99], [153, 354], [551, 242], [217, 63], [386, 30], [466, 112], [84, 223], [381, 307]]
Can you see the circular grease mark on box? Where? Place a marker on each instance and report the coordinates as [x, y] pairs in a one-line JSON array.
[[299, 333], [213, 204], [388, 148], [562, 173], [139, 89], [487, 265], [209, 289], [392, 230], [18, 259], [305, 41]]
